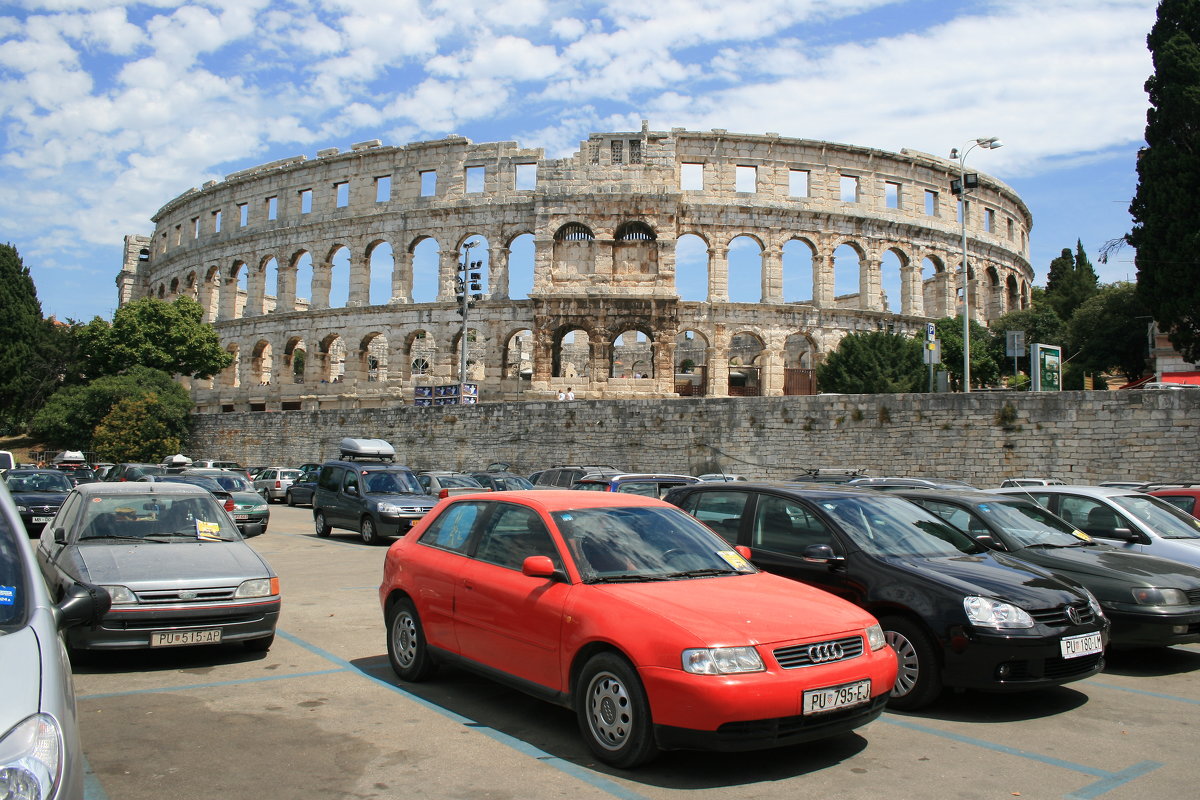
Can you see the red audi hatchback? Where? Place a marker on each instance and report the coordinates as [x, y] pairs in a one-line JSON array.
[[657, 632]]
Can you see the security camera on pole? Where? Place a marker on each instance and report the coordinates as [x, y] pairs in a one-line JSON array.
[[468, 288]]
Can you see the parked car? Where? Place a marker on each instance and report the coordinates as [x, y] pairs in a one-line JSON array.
[[1150, 601], [564, 476], [1184, 496], [657, 633], [721, 477], [178, 571], [131, 472], [1125, 518], [650, 484], [7, 461], [1031, 482], [300, 493], [40, 752], [502, 481], [208, 463], [958, 614], [273, 482], [896, 483], [250, 511], [224, 497], [441, 483], [377, 500], [38, 494]]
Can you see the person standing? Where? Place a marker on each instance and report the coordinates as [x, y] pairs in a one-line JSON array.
[[570, 393], [562, 395]]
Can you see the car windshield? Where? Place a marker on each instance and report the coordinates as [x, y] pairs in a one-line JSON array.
[[13, 585], [154, 518], [884, 525], [38, 482], [233, 483], [391, 482], [1162, 518], [207, 484], [1026, 524], [289, 474], [459, 482], [515, 483], [642, 543]]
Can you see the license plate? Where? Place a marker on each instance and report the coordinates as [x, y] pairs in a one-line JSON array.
[[173, 638], [1086, 645], [42, 520], [818, 701], [241, 517]]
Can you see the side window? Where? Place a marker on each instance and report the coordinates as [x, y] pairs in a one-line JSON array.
[[66, 518], [350, 481], [721, 511], [644, 488], [1090, 515], [424, 481], [783, 526], [958, 517], [513, 534], [452, 529], [330, 479]]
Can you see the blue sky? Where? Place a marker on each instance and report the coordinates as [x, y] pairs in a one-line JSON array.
[[109, 109]]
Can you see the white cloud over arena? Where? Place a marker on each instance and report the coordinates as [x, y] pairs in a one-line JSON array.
[[110, 109]]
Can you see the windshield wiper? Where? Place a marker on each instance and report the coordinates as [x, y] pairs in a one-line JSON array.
[[702, 573], [625, 578], [122, 538]]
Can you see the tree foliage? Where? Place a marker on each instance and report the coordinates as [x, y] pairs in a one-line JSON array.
[[171, 337], [984, 367], [1041, 325], [28, 370], [137, 429], [1166, 205], [70, 417], [876, 362], [1109, 332], [1070, 281]]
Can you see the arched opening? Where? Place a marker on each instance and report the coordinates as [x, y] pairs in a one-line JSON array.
[[231, 376], [798, 257], [891, 283], [479, 262], [799, 373], [572, 354], [745, 270], [476, 364], [518, 356], [381, 262], [426, 256], [691, 364], [294, 355], [847, 277], [270, 272], [420, 351], [261, 364], [634, 249], [304, 278], [745, 365], [374, 350], [632, 355], [520, 267], [339, 277], [333, 359], [241, 280], [575, 249], [691, 268]]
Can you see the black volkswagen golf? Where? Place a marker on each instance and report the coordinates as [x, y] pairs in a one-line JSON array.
[[958, 614]]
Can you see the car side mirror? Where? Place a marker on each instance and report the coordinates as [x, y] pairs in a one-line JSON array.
[[83, 604], [1120, 534], [987, 541], [820, 554], [352, 491], [538, 567], [743, 551], [60, 535]]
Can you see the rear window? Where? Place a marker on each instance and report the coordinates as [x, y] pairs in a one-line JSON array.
[[14, 587]]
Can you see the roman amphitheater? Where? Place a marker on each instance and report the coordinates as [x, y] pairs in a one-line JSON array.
[[647, 264]]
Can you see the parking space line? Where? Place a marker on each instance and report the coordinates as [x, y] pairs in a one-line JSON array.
[[92, 788], [1108, 780], [1143, 692], [574, 770], [194, 686]]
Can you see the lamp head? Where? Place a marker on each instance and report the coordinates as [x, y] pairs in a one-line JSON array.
[[989, 144], [953, 153]]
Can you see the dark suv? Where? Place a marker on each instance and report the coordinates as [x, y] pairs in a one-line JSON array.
[[377, 500]]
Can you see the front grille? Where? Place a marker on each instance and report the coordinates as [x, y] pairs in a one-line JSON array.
[[782, 729], [179, 622], [42, 510], [807, 655], [1054, 668], [174, 595], [1193, 597], [1057, 617]]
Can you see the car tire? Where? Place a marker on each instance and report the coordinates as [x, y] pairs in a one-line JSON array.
[[291, 501], [613, 714], [259, 645], [322, 527], [919, 676], [368, 532], [408, 651]]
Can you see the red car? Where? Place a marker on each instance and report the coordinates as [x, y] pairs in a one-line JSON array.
[[1185, 497], [658, 633]]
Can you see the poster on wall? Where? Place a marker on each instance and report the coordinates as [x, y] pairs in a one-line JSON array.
[[1047, 367]]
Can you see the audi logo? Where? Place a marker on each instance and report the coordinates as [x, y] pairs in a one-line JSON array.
[[1073, 615], [826, 651]]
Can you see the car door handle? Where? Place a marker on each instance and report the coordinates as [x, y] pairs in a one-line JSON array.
[[468, 584]]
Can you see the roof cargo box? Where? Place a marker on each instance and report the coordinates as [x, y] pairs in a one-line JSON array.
[[353, 449]]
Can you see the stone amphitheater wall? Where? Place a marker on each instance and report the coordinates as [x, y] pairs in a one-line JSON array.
[[981, 437], [605, 225]]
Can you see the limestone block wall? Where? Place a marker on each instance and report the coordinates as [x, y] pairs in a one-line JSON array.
[[982, 438]]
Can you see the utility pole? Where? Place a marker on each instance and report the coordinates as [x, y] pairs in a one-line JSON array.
[[468, 288]]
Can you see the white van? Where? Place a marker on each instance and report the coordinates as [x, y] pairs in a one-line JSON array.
[[6, 461]]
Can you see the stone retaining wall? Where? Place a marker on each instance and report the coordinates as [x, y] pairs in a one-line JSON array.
[[981, 437]]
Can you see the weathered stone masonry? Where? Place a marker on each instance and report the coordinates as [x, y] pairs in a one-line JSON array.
[[604, 315], [979, 437]]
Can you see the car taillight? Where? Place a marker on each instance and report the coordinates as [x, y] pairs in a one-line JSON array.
[[278, 484], [229, 504], [443, 494]]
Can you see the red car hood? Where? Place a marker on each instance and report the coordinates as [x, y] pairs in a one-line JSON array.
[[738, 609]]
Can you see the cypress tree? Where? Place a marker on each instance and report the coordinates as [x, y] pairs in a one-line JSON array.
[[23, 333]]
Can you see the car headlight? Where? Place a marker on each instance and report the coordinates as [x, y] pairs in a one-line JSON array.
[[722, 660], [389, 508], [258, 587], [991, 613], [1160, 597], [1093, 603], [875, 638], [22, 510], [31, 759], [121, 595]]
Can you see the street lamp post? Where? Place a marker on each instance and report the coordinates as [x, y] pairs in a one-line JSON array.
[[962, 187]]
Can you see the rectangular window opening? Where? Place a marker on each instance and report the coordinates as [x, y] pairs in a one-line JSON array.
[[594, 152], [745, 179], [306, 201], [618, 152], [989, 220], [1010, 229], [243, 214], [849, 186], [428, 183], [383, 189], [891, 194], [341, 191], [272, 208], [195, 227], [931, 203], [526, 177], [798, 182], [474, 179], [691, 177], [635, 151], [217, 221]]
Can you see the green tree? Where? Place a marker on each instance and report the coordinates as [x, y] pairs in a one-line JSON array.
[[137, 429], [984, 367], [69, 418], [1109, 332], [1041, 325], [171, 337], [27, 370], [1071, 280], [1166, 205], [877, 362]]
